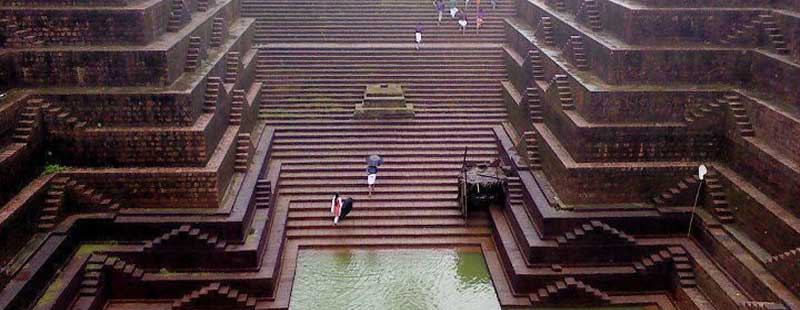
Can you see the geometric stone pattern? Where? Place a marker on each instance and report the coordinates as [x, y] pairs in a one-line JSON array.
[[191, 151]]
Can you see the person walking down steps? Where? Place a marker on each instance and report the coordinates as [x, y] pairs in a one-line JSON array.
[[440, 11], [372, 175], [373, 161], [479, 20], [453, 8], [340, 207], [336, 208], [462, 21], [418, 35]]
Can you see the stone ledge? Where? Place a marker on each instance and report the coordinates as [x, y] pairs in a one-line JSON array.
[[159, 63], [138, 23]]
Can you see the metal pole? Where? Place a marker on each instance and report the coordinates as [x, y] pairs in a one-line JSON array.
[[464, 161], [696, 198], [464, 207]]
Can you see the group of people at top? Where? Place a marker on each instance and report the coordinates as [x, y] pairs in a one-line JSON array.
[[457, 14]]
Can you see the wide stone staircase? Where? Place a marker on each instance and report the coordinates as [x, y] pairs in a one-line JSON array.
[[382, 21], [321, 85], [309, 96]]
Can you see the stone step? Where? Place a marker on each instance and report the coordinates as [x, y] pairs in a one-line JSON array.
[[376, 204], [383, 214], [392, 242], [379, 189], [358, 181], [328, 81], [399, 152], [416, 141], [333, 96], [373, 78], [382, 126], [389, 233], [355, 158], [377, 224], [280, 135], [387, 148], [410, 53], [383, 198]]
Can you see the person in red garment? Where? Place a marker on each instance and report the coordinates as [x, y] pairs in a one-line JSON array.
[[479, 20], [336, 208]]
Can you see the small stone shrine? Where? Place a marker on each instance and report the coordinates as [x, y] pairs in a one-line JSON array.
[[484, 185], [384, 101]]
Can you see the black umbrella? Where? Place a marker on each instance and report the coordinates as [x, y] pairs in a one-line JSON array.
[[347, 205], [374, 160]]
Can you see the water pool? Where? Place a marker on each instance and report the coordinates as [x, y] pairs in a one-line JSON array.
[[419, 279], [392, 279]]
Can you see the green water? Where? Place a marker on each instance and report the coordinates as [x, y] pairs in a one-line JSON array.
[[392, 279], [396, 279]]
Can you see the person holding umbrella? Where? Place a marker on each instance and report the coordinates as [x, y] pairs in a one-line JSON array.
[[373, 161]]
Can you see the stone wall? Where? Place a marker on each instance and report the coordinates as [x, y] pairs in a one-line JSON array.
[[611, 143], [113, 148], [10, 112], [776, 127], [87, 27], [155, 187], [157, 66], [715, 3], [17, 217], [91, 68], [516, 72], [776, 77], [755, 218], [129, 110], [648, 65], [610, 185], [66, 2], [637, 106], [659, 26], [780, 182], [790, 26], [668, 66]]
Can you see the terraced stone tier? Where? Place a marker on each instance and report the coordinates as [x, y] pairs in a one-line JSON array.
[[705, 111], [159, 63], [81, 24]]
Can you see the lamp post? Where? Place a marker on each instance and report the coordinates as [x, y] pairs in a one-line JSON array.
[[701, 173]]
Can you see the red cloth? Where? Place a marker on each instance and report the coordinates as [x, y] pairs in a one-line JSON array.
[[337, 207]]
